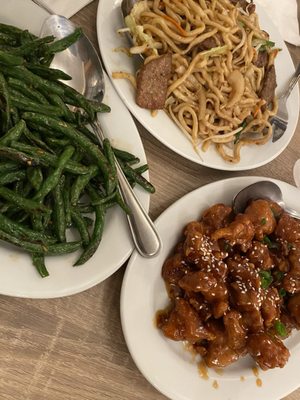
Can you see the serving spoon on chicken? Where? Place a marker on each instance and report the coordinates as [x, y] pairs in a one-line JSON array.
[[261, 190]]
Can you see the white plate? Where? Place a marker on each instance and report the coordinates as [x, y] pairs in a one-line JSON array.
[[167, 364], [17, 275], [296, 173], [109, 19]]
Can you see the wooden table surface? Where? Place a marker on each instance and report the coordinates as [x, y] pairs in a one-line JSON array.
[[73, 348]]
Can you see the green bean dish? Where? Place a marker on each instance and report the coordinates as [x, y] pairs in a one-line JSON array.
[[54, 175]]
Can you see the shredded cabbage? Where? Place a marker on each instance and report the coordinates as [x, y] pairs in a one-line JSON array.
[[215, 51], [138, 8], [137, 31]]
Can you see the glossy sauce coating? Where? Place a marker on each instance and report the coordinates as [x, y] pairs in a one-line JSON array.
[[234, 285]]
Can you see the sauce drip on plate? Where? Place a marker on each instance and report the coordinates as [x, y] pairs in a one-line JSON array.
[[256, 374], [215, 385], [203, 370]]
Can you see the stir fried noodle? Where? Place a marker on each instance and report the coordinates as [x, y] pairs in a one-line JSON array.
[[215, 91]]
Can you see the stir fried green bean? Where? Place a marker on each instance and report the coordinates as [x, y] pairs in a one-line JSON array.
[[97, 231], [59, 215], [53, 171]]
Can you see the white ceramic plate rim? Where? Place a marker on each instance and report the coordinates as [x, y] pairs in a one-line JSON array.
[[162, 127], [164, 363], [17, 275]]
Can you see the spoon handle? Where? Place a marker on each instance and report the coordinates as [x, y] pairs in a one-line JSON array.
[[42, 5], [144, 233], [291, 212]]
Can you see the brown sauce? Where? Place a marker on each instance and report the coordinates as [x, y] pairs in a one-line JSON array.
[[203, 370], [215, 271], [258, 382], [215, 385], [219, 371], [255, 372]]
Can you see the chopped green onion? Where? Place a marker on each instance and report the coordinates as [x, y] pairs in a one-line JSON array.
[[282, 292], [263, 221], [278, 275], [275, 213], [265, 279], [269, 243], [227, 247], [266, 240], [267, 45], [280, 328], [238, 135], [290, 246]]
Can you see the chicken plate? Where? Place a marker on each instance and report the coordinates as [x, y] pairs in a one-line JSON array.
[[234, 285]]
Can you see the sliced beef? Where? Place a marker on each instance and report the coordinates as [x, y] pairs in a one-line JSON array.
[[267, 92], [208, 44], [250, 8], [261, 59], [246, 5], [152, 83]]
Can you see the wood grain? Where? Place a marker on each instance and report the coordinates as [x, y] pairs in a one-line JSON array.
[[73, 348]]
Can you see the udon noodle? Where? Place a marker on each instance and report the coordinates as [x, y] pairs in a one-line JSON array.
[[214, 93]]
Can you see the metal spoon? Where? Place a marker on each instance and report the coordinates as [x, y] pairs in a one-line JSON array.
[[261, 190], [81, 61]]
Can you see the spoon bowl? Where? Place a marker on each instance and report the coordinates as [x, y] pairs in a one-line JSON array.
[[80, 60], [261, 190]]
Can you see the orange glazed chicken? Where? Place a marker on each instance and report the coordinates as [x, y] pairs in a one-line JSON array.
[[234, 285]]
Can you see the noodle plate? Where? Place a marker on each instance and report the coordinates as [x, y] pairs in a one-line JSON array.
[[221, 59]]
